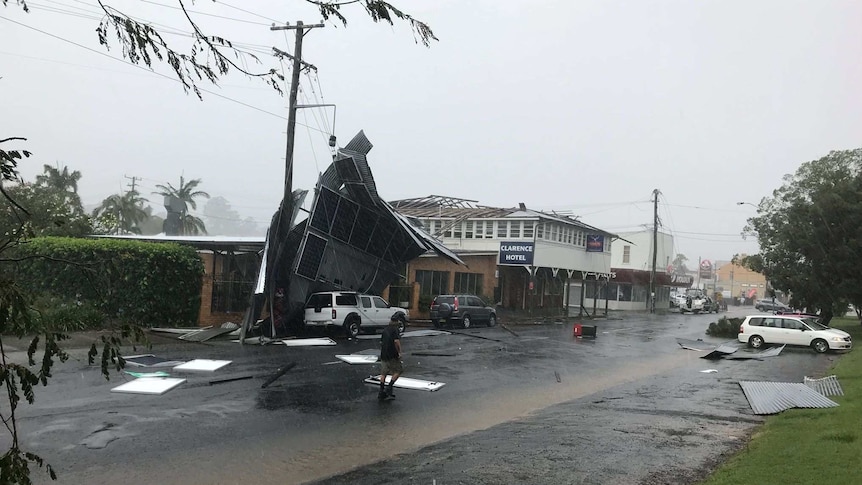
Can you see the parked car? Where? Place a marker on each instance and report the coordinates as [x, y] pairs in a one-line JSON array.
[[352, 311], [463, 310], [757, 330], [767, 305]]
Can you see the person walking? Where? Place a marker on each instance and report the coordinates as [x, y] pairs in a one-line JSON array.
[[390, 359]]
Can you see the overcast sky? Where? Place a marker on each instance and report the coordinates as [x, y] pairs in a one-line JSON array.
[[580, 106]]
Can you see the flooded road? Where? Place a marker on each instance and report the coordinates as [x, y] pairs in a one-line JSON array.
[[542, 407]]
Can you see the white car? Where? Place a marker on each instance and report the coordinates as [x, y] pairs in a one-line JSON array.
[[757, 330], [352, 311]]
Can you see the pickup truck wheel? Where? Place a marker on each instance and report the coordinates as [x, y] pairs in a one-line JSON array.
[[492, 320], [465, 321], [351, 327]]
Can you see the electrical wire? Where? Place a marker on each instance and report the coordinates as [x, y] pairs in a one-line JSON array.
[[198, 12]]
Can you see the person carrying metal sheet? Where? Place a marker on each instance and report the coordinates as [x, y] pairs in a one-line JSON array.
[[390, 359]]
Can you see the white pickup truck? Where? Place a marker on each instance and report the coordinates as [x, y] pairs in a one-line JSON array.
[[352, 311]]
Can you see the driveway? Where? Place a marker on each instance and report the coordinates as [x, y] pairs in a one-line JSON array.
[[630, 406]]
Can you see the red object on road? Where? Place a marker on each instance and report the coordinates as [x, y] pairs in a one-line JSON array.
[[578, 330]]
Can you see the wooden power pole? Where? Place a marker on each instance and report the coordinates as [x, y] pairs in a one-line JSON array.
[[652, 285]]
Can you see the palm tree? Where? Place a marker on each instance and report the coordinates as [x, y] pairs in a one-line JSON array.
[[187, 193], [61, 180], [123, 213]]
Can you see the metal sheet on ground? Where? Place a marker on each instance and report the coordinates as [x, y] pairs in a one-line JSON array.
[[424, 333], [149, 385], [698, 345], [202, 365], [150, 360], [304, 342], [358, 359], [774, 397], [204, 335], [828, 386], [408, 383], [179, 331], [773, 352], [368, 337], [720, 351]]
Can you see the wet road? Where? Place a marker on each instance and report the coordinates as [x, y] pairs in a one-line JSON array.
[[542, 407]]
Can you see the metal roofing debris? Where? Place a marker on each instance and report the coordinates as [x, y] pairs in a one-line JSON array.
[[698, 345], [828, 386], [278, 373], [771, 352], [408, 383], [180, 331], [358, 359], [150, 360], [424, 333], [202, 365], [720, 351], [774, 397], [160, 373], [204, 335], [149, 385], [305, 342]]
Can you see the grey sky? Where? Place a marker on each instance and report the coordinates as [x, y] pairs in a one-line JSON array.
[[585, 106]]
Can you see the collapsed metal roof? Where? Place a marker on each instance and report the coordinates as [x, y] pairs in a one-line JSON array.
[[352, 240]]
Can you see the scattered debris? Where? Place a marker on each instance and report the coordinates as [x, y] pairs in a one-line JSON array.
[[148, 374], [368, 337], [303, 342], [358, 359], [828, 386], [698, 345], [179, 331], [204, 335], [230, 379], [149, 385], [774, 397], [408, 383], [150, 360], [720, 352], [202, 365], [504, 327], [772, 352], [424, 333], [557, 375], [278, 373], [709, 371]]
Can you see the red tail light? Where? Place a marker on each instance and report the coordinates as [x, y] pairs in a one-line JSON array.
[[740, 329], [456, 304], [333, 314], [433, 302]]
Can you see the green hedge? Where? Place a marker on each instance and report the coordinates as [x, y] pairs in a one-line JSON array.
[[154, 284], [725, 327]]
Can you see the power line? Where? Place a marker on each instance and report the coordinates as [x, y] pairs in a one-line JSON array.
[[246, 11], [198, 12]]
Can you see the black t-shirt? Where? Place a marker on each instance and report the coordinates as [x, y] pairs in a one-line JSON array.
[[387, 343]]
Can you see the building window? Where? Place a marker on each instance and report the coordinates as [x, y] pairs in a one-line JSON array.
[[448, 225], [432, 283], [489, 229], [540, 231], [515, 229], [627, 254], [470, 283], [456, 230], [233, 281], [528, 229], [502, 229], [468, 229], [569, 232], [480, 230]]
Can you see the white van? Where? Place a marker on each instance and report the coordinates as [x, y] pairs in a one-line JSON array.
[[757, 330]]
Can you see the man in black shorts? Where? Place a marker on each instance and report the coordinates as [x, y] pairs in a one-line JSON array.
[[390, 359]]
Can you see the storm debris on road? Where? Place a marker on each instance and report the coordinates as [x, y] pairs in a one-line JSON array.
[[720, 351], [698, 345], [828, 386], [202, 365], [358, 358], [774, 397], [207, 334], [303, 342], [278, 373], [504, 327], [557, 375], [150, 360], [408, 383], [773, 352], [149, 385]]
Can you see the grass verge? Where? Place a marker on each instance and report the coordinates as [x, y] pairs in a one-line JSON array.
[[817, 446]]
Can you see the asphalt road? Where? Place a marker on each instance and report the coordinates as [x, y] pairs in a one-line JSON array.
[[629, 406]]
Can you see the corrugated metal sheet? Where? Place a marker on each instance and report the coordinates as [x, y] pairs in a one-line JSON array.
[[774, 397], [828, 386], [720, 351], [699, 345]]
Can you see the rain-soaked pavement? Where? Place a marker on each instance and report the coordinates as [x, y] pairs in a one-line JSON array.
[[541, 407]]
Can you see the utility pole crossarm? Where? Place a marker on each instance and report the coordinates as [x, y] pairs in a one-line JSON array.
[[305, 65]]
